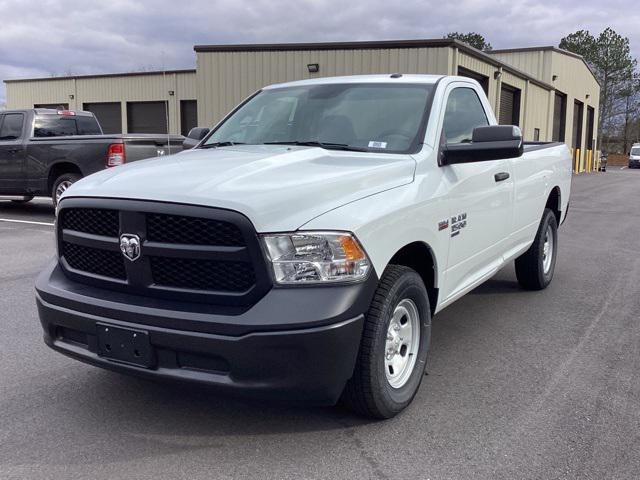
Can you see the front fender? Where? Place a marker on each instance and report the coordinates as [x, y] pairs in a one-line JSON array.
[[387, 221]]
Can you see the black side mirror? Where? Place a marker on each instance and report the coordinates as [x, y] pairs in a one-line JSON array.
[[195, 135], [494, 142]]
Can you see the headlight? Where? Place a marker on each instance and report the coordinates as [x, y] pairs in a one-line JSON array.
[[316, 257]]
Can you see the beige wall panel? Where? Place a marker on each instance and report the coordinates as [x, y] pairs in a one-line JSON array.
[[536, 113], [532, 63], [476, 64], [575, 80], [572, 77], [125, 88], [514, 81], [224, 79], [28, 94]]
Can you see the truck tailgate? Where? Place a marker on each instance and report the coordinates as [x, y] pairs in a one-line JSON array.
[[138, 147]]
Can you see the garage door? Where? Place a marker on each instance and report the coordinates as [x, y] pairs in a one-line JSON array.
[[590, 117], [509, 106], [559, 117], [109, 114], [577, 124], [188, 116], [147, 117]]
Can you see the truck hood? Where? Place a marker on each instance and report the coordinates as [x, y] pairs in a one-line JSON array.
[[278, 188]]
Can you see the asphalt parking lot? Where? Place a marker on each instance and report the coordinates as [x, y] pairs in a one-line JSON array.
[[520, 385]]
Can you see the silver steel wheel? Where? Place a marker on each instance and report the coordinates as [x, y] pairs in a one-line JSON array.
[[61, 188], [547, 250], [403, 342]]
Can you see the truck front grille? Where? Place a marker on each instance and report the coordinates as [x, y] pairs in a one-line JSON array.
[[188, 253], [91, 220], [104, 263], [202, 274], [191, 230]]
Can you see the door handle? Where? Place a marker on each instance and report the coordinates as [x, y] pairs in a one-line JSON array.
[[501, 177]]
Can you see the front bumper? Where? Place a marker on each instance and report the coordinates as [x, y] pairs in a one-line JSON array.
[[296, 344], [634, 163]]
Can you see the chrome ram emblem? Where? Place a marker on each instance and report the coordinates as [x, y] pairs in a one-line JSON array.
[[130, 246]]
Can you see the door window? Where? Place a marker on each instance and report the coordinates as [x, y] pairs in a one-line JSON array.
[[463, 113], [11, 126]]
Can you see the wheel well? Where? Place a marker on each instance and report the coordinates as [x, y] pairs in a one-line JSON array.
[[60, 169], [553, 202], [419, 257]]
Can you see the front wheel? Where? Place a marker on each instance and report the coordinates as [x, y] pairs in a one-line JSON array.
[[535, 267], [61, 184], [394, 346]]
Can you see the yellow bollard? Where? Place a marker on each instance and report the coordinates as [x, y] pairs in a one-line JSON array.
[[587, 167], [579, 158]]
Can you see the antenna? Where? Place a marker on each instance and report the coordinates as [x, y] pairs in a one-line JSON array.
[[166, 109]]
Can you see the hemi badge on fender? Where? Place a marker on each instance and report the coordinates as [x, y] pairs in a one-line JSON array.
[[443, 225]]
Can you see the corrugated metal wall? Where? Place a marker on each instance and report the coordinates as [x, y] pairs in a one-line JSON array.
[[224, 79], [539, 112], [28, 93], [573, 78], [116, 88]]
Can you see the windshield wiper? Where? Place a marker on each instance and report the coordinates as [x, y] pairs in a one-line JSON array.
[[315, 143], [221, 144]]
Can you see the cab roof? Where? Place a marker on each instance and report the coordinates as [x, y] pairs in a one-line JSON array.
[[51, 111], [386, 78]]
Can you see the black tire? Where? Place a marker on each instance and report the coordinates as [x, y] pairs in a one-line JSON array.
[[25, 199], [530, 269], [70, 178], [368, 392]]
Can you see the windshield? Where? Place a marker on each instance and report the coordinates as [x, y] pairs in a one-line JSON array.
[[367, 117], [635, 151]]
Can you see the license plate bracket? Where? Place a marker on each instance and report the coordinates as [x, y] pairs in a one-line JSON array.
[[125, 345]]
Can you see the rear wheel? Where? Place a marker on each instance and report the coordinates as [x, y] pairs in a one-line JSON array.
[[394, 346], [62, 183], [535, 267]]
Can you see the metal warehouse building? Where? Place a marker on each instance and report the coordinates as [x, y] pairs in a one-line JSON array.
[[550, 93]]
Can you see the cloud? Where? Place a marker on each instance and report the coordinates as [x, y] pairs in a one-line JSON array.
[[41, 38]]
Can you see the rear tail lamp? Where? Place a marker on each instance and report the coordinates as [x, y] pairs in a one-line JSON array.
[[115, 155]]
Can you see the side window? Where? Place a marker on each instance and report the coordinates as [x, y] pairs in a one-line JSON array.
[[463, 113], [87, 125], [11, 126]]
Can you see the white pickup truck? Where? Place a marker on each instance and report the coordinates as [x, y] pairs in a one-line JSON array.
[[301, 248]]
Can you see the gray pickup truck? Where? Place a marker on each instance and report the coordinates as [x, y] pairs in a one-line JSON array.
[[44, 151]]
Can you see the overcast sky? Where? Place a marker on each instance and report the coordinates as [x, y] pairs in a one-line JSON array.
[[45, 37]]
